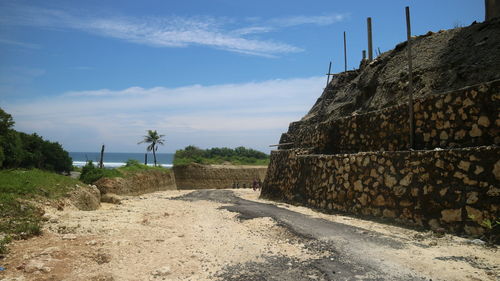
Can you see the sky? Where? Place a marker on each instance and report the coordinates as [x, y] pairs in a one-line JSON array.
[[210, 73]]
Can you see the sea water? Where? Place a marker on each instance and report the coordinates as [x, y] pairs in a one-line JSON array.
[[118, 159]]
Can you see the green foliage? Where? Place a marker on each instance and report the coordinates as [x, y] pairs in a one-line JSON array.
[[6, 121], [238, 156], [20, 150], [3, 245], [18, 218], [133, 163], [133, 166], [90, 173]]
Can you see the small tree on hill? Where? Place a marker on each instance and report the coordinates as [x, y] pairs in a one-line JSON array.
[[154, 139]]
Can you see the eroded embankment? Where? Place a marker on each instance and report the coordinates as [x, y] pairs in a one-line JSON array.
[[138, 183], [196, 176]]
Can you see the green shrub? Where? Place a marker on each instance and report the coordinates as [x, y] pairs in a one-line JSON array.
[[90, 173], [133, 163], [3, 245]]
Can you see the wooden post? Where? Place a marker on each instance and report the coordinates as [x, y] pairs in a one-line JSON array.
[[328, 74], [491, 9], [101, 164], [345, 54], [410, 79], [145, 159], [370, 46]]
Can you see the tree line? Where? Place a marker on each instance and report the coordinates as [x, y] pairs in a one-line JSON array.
[[218, 155], [21, 150]]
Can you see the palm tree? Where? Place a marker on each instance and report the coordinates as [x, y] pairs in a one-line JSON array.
[[154, 140]]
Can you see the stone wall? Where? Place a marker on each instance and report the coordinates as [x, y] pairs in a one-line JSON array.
[[452, 189], [463, 118], [138, 183], [196, 176]]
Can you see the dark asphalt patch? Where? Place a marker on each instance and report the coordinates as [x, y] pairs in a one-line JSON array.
[[299, 224], [281, 268], [341, 246]]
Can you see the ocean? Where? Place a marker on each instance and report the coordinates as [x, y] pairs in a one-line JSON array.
[[118, 159]]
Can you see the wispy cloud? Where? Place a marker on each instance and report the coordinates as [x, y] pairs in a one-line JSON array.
[[260, 111], [314, 20], [19, 75], [170, 31], [19, 44]]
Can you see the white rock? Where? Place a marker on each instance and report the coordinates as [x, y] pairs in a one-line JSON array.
[[91, 243], [51, 250], [164, 271], [478, 242], [36, 265], [69, 236]]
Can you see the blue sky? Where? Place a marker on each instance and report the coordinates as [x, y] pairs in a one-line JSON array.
[[206, 72]]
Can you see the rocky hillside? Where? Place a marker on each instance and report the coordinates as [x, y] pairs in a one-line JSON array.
[[442, 61]]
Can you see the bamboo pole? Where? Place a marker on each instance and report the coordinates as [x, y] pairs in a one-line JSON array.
[[345, 54], [370, 45]]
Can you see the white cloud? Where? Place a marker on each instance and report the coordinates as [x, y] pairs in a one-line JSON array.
[[172, 31], [245, 114]]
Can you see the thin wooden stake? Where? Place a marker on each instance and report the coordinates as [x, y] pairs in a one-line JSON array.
[[101, 164], [370, 46], [329, 74], [345, 54], [410, 81]]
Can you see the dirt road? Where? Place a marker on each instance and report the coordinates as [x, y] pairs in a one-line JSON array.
[[232, 235]]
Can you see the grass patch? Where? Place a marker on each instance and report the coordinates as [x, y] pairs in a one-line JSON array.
[[90, 173], [27, 183], [133, 166], [18, 218]]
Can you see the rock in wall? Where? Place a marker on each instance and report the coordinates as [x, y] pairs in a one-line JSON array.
[[138, 183], [462, 118], [196, 176], [454, 189]]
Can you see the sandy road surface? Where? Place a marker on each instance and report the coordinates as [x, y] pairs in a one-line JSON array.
[[215, 235]]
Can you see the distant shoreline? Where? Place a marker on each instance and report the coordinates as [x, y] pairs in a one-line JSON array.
[[118, 159], [116, 164]]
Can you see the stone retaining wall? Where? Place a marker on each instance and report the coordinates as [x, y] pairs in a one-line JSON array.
[[196, 176], [463, 118], [454, 189]]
